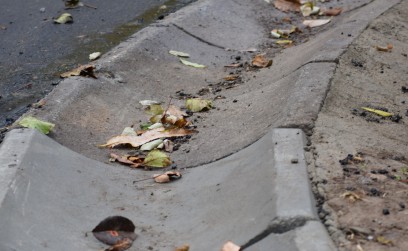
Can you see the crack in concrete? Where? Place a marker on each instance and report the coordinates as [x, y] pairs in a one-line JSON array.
[[199, 38], [277, 226]]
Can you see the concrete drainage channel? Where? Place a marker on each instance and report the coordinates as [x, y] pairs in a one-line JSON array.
[[258, 196], [54, 195]]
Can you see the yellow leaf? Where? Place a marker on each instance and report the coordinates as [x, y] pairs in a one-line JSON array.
[[378, 112], [64, 18], [188, 63]]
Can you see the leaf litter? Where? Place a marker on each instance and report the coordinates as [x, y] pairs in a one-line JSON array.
[[64, 18], [83, 70], [167, 177]]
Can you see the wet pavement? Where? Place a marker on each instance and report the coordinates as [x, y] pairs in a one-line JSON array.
[[34, 50]]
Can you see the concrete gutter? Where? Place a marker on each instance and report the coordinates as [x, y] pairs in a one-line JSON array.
[[258, 196]]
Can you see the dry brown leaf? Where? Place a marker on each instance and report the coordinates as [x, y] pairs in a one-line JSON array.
[[261, 61], [315, 22], [148, 136], [185, 247], [287, 5], [83, 70], [229, 246], [332, 12], [133, 161], [168, 145], [174, 116], [167, 177], [351, 196], [233, 65], [385, 49], [231, 77]]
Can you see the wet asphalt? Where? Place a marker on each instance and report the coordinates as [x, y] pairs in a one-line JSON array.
[[34, 50]]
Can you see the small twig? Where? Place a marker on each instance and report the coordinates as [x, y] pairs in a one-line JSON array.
[[90, 6], [168, 106]]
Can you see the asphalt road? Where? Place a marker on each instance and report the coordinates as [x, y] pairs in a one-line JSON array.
[[34, 50]]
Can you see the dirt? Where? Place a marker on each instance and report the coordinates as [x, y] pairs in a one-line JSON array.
[[359, 160]]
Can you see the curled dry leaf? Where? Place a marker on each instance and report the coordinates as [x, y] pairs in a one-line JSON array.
[[94, 55], [198, 104], [151, 145], [179, 54], [39, 104], [284, 42], [261, 61], [148, 136], [229, 246], [287, 5], [149, 102], [185, 247], [388, 48], [332, 12], [83, 70], [116, 231], [384, 241], [64, 18], [233, 65], [133, 161], [167, 177], [231, 77], [351, 196], [168, 145], [316, 22], [188, 63], [71, 3], [308, 9], [174, 116]]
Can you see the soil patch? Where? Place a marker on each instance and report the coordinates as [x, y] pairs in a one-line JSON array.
[[358, 158]]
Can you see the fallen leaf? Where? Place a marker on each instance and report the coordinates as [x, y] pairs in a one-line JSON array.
[[83, 70], [148, 136], [385, 49], [64, 18], [188, 63], [351, 196], [151, 145], [284, 42], [198, 104], [233, 65], [128, 131], [287, 5], [231, 77], [167, 177], [174, 116], [31, 122], [168, 145], [378, 112], [179, 54], [383, 240], [71, 3], [308, 9], [332, 12], [116, 231], [94, 55], [149, 102], [316, 22], [157, 158], [133, 161], [154, 110], [229, 246], [275, 34], [185, 247], [261, 61], [155, 126], [39, 104]]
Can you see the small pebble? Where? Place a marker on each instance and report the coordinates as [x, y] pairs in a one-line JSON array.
[[386, 211], [402, 205]]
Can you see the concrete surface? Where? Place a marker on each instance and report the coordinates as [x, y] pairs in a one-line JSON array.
[[253, 197], [55, 195]]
